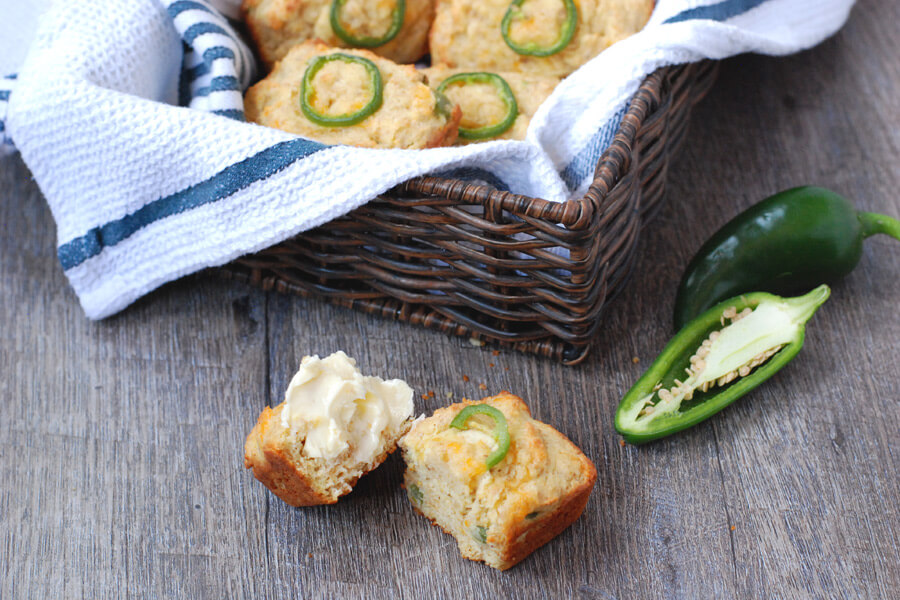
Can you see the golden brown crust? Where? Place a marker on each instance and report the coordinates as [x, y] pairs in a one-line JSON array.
[[302, 481], [447, 135], [264, 453], [539, 489]]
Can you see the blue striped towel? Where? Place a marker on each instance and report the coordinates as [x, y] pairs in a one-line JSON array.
[[129, 116]]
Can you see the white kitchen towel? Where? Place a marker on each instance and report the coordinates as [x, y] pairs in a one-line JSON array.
[[128, 114]]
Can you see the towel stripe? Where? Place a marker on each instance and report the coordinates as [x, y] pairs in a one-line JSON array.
[[209, 55], [225, 183], [716, 12], [231, 113], [585, 161], [198, 29], [205, 84], [226, 83]]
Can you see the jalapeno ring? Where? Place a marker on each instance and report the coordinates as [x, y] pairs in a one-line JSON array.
[[397, 16], [307, 91], [503, 91], [500, 432], [566, 32]]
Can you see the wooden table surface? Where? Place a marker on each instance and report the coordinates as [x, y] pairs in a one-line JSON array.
[[121, 441]]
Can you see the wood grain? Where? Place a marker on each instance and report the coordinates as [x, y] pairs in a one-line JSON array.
[[121, 441]]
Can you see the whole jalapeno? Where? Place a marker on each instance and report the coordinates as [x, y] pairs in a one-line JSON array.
[[714, 360], [789, 242]]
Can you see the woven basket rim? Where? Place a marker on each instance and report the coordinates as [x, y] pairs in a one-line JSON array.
[[574, 213], [422, 219]]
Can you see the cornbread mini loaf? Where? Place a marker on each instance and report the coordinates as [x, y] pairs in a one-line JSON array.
[[497, 480], [541, 37], [334, 426], [394, 29], [487, 113], [351, 97]]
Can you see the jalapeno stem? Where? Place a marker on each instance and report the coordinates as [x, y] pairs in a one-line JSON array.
[[308, 91], [873, 223], [566, 32], [504, 92], [397, 16], [500, 432]]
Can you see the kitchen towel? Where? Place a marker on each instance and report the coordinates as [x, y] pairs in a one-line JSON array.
[[129, 116]]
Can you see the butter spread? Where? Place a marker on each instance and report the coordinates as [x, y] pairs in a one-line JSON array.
[[337, 407]]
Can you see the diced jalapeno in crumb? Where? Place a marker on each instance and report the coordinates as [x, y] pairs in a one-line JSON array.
[[480, 533], [416, 494], [532, 515]]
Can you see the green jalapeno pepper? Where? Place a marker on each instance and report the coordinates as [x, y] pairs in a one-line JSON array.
[[789, 242], [566, 32], [442, 105], [397, 16], [503, 92], [308, 91], [500, 432], [712, 362]]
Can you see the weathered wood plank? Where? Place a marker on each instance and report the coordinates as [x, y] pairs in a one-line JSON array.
[[121, 441]]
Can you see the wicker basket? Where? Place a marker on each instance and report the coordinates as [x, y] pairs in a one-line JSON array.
[[472, 261]]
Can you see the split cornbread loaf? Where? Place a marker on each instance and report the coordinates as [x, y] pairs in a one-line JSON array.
[[499, 511], [397, 108], [277, 25], [553, 37], [480, 97], [334, 426]]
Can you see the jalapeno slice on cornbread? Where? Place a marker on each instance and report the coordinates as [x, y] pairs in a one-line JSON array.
[[352, 97]]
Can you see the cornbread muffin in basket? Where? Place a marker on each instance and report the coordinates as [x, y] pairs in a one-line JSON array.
[[334, 426], [487, 112], [351, 97], [394, 29], [497, 480], [541, 37]]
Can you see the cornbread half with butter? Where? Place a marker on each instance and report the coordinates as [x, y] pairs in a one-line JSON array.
[[540, 37], [334, 425], [351, 97], [395, 29], [496, 479]]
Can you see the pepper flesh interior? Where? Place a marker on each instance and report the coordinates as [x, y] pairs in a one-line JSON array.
[[752, 337]]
